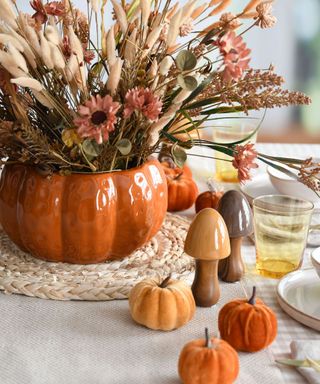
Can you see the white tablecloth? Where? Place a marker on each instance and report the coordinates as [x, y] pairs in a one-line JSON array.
[[97, 342]]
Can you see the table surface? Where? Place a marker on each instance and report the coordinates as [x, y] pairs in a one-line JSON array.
[[44, 341]]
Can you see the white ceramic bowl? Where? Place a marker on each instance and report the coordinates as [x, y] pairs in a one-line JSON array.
[[315, 258], [287, 185]]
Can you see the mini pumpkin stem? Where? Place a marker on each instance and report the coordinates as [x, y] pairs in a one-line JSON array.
[[178, 176], [252, 299], [211, 185], [208, 340], [165, 281]]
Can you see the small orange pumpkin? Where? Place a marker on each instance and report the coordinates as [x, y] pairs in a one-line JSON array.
[[208, 199], [171, 170], [165, 306], [182, 189], [208, 361], [247, 325]]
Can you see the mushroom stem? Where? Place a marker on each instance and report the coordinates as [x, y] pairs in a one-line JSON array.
[[205, 287], [232, 268]]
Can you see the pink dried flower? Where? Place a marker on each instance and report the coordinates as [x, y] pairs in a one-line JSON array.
[[144, 101], [97, 118], [53, 8], [40, 16], [235, 55], [229, 21], [265, 19], [244, 157], [66, 48], [88, 55], [164, 32], [186, 28]]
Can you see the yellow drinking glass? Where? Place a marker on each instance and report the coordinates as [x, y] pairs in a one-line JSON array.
[[281, 225], [230, 131]]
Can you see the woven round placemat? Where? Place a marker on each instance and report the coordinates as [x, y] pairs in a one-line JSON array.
[[23, 274]]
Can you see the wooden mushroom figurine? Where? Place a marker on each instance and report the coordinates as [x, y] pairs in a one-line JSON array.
[[237, 214], [208, 242]]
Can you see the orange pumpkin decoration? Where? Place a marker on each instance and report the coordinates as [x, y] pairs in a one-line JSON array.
[[208, 199], [82, 218], [208, 361], [171, 170], [166, 306], [247, 325], [182, 189]]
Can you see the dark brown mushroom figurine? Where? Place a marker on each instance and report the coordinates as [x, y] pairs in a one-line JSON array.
[[208, 242], [237, 214]]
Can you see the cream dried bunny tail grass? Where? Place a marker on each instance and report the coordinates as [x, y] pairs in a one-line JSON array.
[[181, 96], [120, 15], [153, 37], [111, 47], [32, 38], [174, 26], [6, 38], [165, 65], [8, 63], [251, 5], [78, 68], [26, 49], [145, 7], [45, 51], [18, 58], [75, 44], [172, 11], [153, 69], [198, 11], [28, 82], [95, 5], [7, 13], [43, 99], [72, 67], [131, 48], [187, 10], [222, 6], [52, 35], [57, 57], [114, 77]]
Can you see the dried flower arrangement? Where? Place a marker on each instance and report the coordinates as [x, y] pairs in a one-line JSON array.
[[68, 103]]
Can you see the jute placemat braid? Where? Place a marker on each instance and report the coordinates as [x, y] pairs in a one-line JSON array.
[[23, 274]]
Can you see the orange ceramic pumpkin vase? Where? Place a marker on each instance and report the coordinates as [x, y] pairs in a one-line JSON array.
[[247, 325], [82, 218]]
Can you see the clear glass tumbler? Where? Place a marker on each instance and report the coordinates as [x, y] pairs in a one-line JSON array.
[[281, 225], [230, 131]]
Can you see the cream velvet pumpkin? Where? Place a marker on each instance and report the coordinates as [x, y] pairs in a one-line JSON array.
[[164, 306]]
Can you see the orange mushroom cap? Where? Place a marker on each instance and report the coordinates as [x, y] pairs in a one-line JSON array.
[[208, 237]]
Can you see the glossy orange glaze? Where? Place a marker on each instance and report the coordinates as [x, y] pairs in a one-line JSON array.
[[82, 218]]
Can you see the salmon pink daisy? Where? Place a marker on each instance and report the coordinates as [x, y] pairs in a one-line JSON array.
[[144, 101], [244, 157], [97, 118], [235, 55]]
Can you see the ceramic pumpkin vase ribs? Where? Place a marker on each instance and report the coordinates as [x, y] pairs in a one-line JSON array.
[[82, 218]]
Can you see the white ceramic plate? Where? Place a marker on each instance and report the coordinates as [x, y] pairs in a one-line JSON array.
[[298, 294], [261, 185]]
